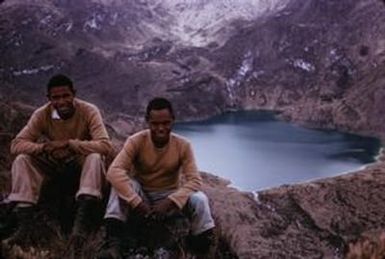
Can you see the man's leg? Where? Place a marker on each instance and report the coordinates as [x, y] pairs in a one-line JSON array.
[[89, 194], [116, 215], [116, 207], [27, 179], [88, 199], [203, 237], [92, 175], [199, 209]]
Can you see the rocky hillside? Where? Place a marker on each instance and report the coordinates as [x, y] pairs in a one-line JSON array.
[[119, 53], [311, 220], [320, 63]]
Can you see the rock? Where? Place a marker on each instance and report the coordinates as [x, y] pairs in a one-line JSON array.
[[310, 220]]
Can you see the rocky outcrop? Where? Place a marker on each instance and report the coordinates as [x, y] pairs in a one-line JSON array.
[[12, 117], [310, 220]]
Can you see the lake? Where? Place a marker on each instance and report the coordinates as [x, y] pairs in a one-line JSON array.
[[256, 151]]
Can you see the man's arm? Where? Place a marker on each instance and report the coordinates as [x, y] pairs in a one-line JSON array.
[[193, 179], [25, 141], [118, 176], [100, 142]]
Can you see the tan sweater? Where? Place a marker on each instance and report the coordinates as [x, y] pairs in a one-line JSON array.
[[85, 131], [155, 169]]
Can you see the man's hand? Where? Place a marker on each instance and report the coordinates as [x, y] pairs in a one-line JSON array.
[[51, 146], [164, 208], [143, 209], [62, 154]]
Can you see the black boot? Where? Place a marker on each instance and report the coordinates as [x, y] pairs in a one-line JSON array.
[[203, 244], [112, 246], [23, 236], [8, 221], [87, 213], [84, 224]]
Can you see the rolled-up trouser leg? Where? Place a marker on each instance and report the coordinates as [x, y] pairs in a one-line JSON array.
[[92, 174], [27, 179], [199, 210], [118, 208]]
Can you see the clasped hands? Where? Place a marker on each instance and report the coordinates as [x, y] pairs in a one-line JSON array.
[[158, 211], [58, 149]]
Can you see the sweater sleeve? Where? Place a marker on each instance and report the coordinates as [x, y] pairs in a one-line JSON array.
[[193, 179], [99, 143], [26, 140], [118, 173]]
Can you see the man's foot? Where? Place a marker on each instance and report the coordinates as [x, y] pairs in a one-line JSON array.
[[24, 235], [203, 244], [85, 219], [83, 226], [112, 247], [32, 235], [8, 219]]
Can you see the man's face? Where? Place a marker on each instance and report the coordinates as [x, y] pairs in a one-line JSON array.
[[62, 99], [160, 123]]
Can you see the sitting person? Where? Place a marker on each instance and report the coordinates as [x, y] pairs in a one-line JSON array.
[[146, 182], [65, 135]]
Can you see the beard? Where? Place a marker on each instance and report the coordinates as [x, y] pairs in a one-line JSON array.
[[66, 112]]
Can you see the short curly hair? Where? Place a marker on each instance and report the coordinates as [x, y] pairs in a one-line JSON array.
[[60, 80], [159, 103]]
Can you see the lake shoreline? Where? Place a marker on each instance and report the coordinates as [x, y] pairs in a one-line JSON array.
[[266, 131]]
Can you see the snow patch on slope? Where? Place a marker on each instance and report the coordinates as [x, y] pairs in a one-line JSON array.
[[198, 22]]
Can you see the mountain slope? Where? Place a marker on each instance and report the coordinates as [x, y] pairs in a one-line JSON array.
[[308, 60]]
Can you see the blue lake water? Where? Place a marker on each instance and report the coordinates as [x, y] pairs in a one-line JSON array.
[[256, 151]]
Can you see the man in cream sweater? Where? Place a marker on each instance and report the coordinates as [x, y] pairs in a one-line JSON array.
[[65, 135], [145, 179]]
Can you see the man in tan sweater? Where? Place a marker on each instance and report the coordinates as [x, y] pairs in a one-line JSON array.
[[66, 135], [146, 180]]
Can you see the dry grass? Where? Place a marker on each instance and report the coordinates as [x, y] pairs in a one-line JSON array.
[[369, 246]]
